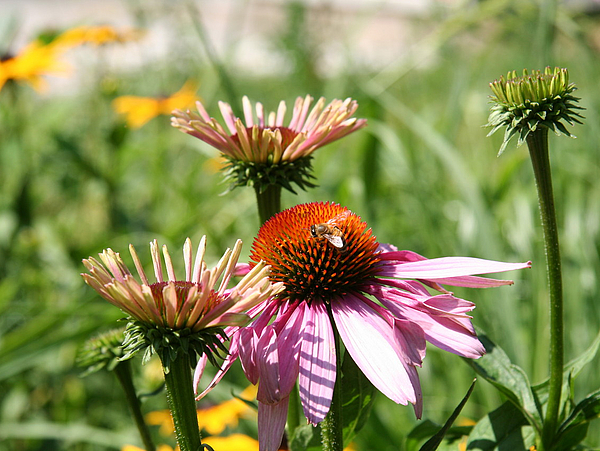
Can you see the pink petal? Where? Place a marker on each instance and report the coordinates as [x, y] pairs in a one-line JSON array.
[[411, 340], [268, 367], [246, 340], [317, 363], [416, 383], [229, 360], [370, 340], [289, 342], [271, 424], [445, 267], [241, 269], [450, 331]]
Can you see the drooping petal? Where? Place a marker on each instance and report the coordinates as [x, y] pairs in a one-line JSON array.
[[370, 340], [317, 363], [271, 424], [411, 339], [289, 342], [246, 341], [267, 358], [443, 322], [227, 363]]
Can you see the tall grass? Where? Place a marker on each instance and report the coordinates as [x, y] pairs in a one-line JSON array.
[[423, 174]]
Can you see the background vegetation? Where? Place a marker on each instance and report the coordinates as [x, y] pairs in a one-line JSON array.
[[75, 180]]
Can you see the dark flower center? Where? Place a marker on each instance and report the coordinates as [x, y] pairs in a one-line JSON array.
[[318, 250]]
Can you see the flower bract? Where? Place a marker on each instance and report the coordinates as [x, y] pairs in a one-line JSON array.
[[264, 149], [378, 297]]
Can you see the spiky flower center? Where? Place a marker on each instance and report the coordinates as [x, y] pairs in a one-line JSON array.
[[311, 263]]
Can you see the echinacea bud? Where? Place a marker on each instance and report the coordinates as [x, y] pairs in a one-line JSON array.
[[525, 103]]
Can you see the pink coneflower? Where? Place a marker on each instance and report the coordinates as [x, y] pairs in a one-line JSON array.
[[377, 297], [263, 149], [197, 304]]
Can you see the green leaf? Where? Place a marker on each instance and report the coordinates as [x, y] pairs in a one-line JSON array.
[[433, 443], [574, 429], [570, 372], [509, 379], [420, 432], [306, 438], [502, 429]]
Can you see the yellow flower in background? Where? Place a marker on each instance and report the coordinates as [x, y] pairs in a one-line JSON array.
[[97, 35], [216, 418], [233, 442], [39, 58], [212, 419], [139, 110], [34, 61]]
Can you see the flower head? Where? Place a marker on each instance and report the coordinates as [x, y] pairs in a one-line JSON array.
[[190, 312], [102, 351], [378, 298], [524, 103], [263, 150], [32, 63], [139, 110]]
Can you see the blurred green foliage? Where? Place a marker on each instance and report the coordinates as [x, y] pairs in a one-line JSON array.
[[74, 180]]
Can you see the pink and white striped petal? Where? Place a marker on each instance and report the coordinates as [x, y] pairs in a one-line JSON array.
[[317, 362]]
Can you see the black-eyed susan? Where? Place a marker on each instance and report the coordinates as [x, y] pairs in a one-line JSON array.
[[139, 110], [33, 63]]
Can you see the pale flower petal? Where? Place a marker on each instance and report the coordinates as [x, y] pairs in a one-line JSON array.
[[369, 339], [271, 424]]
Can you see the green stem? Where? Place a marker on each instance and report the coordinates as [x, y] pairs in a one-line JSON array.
[[180, 397], [332, 434], [269, 202], [538, 150], [123, 373]]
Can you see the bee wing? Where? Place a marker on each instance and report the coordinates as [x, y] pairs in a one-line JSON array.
[[339, 218], [337, 241]]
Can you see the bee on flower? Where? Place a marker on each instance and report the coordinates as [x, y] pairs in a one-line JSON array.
[[375, 296]]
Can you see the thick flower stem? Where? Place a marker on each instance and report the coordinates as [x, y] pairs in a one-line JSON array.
[[269, 202], [123, 373], [180, 397], [332, 433], [538, 150]]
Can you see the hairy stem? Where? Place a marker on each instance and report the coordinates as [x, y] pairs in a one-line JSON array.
[[180, 397], [538, 150]]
